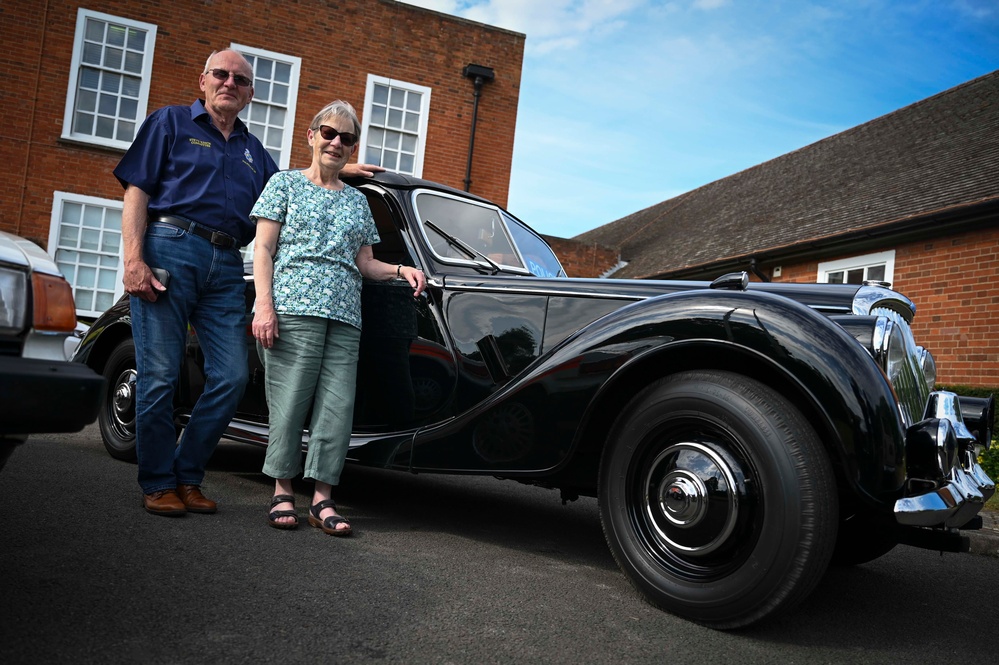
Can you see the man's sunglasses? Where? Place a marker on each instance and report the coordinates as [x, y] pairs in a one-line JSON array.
[[223, 75], [346, 138]]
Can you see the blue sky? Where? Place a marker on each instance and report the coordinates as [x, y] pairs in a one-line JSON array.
[[626, 103]]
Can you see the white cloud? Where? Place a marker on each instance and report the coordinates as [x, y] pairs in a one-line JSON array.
[[549, 24], [710, 4], [979, 10]]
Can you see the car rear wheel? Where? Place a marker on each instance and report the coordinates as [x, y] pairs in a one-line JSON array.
[[717, 499], [117, 415]]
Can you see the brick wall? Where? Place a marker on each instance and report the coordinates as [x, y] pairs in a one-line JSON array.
[[953, 282], [583, 259], [339, 42]]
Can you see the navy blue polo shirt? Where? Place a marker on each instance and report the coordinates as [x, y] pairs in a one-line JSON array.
[[187, 168]]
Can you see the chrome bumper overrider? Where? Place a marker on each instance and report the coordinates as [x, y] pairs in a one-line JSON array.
[[942, 455]]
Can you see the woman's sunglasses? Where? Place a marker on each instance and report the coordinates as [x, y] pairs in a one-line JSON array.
[[223, 75], [346, 138]]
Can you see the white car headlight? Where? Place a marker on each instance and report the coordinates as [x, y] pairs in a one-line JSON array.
[[13, 301]]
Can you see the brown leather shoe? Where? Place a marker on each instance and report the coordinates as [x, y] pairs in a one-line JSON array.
[[194, 500], [164, 502]]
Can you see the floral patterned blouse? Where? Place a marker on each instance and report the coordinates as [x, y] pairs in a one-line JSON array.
[[321, 233]]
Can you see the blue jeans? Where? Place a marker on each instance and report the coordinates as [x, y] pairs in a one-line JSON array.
[[206, 289]]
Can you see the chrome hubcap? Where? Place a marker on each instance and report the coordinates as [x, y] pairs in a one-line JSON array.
[[692, 496], [123, 399], [683, 499]]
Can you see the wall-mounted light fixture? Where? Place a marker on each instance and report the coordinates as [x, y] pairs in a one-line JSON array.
[[480, 76]]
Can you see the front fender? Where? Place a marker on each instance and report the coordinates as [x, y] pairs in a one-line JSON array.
[[812, 360], [566, 400]]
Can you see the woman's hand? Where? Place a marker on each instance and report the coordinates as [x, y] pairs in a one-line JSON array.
[[415, 277], [265, 325]]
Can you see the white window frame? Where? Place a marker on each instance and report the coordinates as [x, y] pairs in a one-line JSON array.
[[421, 139], [288, 137], [76, 66], [866, 261], [59, 200]]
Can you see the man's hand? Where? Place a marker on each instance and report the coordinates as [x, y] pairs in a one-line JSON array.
[[139, 281], [360, 170]]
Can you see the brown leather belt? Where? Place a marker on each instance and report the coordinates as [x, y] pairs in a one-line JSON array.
[[217, 238]]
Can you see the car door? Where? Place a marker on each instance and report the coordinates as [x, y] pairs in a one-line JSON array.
[[406, 372]]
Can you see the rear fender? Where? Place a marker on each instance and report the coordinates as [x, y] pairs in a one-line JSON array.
[[104, 335]]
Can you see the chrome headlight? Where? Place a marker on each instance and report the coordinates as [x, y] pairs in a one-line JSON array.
[[894, 353], [904, 363]]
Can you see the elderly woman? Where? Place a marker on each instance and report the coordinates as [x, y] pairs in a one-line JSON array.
[[313, 246]]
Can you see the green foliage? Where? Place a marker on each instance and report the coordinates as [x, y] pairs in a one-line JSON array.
[[990, 460]]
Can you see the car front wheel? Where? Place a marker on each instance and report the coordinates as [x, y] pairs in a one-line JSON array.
[[117, 415], [717, 499]]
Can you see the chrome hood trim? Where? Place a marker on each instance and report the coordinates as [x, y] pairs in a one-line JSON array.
[[870, 296]]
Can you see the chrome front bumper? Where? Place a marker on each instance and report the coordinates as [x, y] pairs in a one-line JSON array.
[[942, 456]]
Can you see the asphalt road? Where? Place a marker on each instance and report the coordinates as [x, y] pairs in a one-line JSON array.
[[440, 569]]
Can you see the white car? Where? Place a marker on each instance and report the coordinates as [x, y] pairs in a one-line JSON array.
[[40, 390]]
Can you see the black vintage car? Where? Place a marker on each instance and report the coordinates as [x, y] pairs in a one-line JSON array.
[[738, 437]]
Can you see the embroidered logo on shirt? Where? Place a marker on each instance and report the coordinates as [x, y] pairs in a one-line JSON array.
[[249, 157], [203, 144]]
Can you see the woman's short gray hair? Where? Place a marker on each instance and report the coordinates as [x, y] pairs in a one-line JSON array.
[[339, 109]]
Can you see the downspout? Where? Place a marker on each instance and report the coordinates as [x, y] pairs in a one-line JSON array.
[[479, 75], [31, 122]]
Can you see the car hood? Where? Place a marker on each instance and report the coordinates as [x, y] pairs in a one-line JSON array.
[[18, 251], [830, 299]]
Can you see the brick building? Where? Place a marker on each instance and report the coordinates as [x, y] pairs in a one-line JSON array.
[[910, 198], [81, 77]]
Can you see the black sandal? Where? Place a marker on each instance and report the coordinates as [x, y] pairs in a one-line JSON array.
[[273, 516], [329, 524]]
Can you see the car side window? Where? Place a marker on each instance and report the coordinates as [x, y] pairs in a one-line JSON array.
[[477, 225], [538, 256], [390, 248]]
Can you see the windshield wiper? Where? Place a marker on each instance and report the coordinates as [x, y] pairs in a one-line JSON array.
[[462, 246]]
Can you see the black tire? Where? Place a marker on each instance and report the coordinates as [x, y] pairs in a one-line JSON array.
[[717, 499], [117, 415], [861, 540]]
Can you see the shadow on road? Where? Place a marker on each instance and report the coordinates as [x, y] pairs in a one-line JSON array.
[[496, 512]]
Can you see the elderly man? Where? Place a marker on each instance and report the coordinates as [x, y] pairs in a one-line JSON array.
[[191, 177]]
